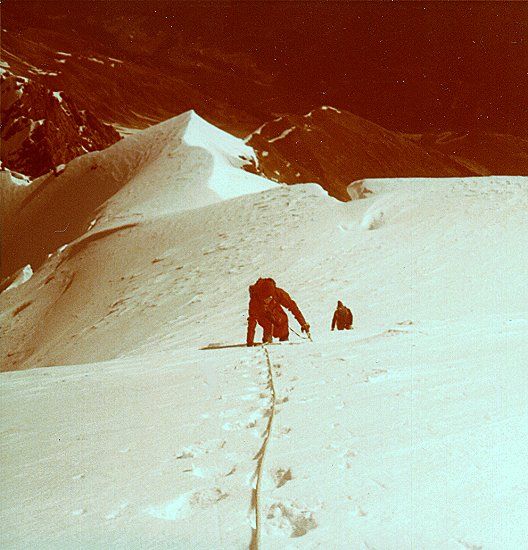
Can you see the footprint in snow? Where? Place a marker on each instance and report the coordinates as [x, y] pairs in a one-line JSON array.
[[192, 451], [200, 472], [231, 426], [468, 545], [114, 514], [358, 512], [186, 453], [284, 433], [333, 447], [348, 460], [229, 413], [182, 506], [291, 518], [282, 477], [377, 375], [373, 220], [248, 397], [254, 418]]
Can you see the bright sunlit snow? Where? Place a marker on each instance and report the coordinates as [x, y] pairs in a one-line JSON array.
[[409, 431]]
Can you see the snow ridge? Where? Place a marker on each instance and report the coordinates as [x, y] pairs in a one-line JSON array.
[[181, 164], [185, 163], [228, 152]]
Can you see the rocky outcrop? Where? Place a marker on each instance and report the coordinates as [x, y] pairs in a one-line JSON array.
[[42, 129], [333, 147]]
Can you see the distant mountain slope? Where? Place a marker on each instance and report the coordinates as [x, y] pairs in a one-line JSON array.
[[138, 89], [334, 147], [486, 152], [134, 78], [42, 129], [366, 57]]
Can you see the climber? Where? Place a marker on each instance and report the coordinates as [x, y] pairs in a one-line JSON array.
[[266, 302]]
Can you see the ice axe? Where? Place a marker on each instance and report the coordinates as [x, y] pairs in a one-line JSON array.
[[308, 335]]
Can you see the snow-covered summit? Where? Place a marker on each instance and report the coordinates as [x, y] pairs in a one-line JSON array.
[[228, 152], [201, 133], [180, 164]]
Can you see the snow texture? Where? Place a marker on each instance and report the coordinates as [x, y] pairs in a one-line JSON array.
[[409, 431], [21, 277]]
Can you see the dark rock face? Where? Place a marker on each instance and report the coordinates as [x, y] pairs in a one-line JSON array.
[[334, 148], [42, 129], [134, 66], [132, 88]]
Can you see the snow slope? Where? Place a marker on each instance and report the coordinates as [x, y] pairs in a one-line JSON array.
[[159, 170], [409, 431]]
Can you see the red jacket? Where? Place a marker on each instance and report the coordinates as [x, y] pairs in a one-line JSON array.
[[342, 317], [266, 304]]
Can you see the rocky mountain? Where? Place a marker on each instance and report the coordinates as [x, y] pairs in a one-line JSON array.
[[333, 147], [135, 89], [42, 129], [139, 66]]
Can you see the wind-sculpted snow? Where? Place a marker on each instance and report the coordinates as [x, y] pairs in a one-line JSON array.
[[407, 431], [181, 164]]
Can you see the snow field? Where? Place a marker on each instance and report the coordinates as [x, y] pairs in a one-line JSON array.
[[408, 431]]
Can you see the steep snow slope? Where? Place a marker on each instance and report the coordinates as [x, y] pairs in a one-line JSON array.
[[13, 188], [413, 248], [162, 169], [409, 431]]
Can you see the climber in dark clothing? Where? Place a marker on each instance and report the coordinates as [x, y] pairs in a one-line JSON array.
[[342, 317], [266, 302]]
